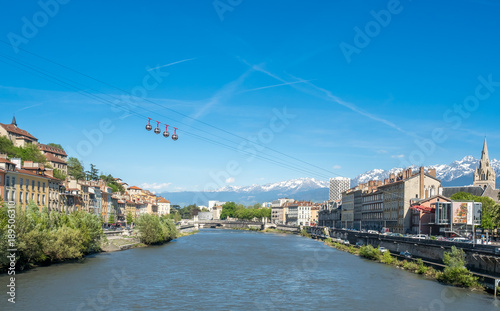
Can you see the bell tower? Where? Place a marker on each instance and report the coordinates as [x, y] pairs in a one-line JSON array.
[[484, 174]]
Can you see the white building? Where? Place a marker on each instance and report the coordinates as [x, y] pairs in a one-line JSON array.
[[337, 186], [163, 206], [211, 204], [304, 215]]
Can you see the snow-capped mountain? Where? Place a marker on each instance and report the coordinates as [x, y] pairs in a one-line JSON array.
[[299, 189], [458, 173], [291, 186]]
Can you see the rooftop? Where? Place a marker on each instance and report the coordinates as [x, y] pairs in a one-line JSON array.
[[12, 128]]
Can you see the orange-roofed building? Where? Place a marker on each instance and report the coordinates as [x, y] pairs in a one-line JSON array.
[[17, 136], [163, 206], [55, 156]]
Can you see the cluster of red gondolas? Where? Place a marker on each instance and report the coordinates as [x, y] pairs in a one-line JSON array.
[[158, 131]]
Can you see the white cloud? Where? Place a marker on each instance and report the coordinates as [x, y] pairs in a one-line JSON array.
[[230, 180], [337, 167], [156, 187], [398, 156]]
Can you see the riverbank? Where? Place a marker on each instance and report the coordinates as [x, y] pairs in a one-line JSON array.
[[119, 243], [458, 276]]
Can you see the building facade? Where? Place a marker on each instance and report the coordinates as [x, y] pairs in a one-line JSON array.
[[398, 193], [337, 186], [372, 210]]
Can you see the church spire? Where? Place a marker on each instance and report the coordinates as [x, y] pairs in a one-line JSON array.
[[484, 174], [14, 121], [484, 155]]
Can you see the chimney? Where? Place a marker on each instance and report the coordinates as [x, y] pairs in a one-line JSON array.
[[432, 172], [49, 172], [422, 176], [17, 162], [386, 181]]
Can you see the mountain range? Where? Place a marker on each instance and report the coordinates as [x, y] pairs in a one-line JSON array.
[[458, 173]]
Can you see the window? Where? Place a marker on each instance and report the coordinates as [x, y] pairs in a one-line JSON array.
[[38, 198], [43, 199], [13, 181], [33, 185], [21, 197], [21, 183], [38, 186], [27, 198], [7, 194], [27, 184], [43, 187], [7, 183]]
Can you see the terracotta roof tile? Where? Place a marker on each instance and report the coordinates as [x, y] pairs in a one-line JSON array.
[[2, 160], [52, 158], [11, 128], [48, 148], [135, 188]]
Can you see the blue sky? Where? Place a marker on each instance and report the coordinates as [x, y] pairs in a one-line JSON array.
[[344, 86]]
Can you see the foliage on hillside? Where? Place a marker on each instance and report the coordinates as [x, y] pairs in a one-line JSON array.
[[43, 237], [112, 183], [28, 153]]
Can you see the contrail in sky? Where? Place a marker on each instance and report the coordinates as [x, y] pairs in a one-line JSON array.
[[174, 63]]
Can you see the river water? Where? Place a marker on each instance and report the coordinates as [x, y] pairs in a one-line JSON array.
[[234, 270]]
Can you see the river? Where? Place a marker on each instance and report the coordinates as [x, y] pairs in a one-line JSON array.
[[234, 270]]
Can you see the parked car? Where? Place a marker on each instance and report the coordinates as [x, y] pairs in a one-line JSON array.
[[359, 244], [382, 249], [346, 242], [406, 254], [421, 237]]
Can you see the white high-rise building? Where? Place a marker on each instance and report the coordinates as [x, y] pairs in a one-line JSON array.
[[337, 186]]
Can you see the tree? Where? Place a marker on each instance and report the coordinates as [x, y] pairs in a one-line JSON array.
[[93, 173], [228, 210], [56, 146], [490, 214], [130, 218], [30, 153], [111, 218], [75, 168], [455, 272], [59, 174], [6, 146]]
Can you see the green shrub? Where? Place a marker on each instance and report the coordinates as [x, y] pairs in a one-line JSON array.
[[369, 252], [153, 230], [43, 237], [455, 272], [387, 258]]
